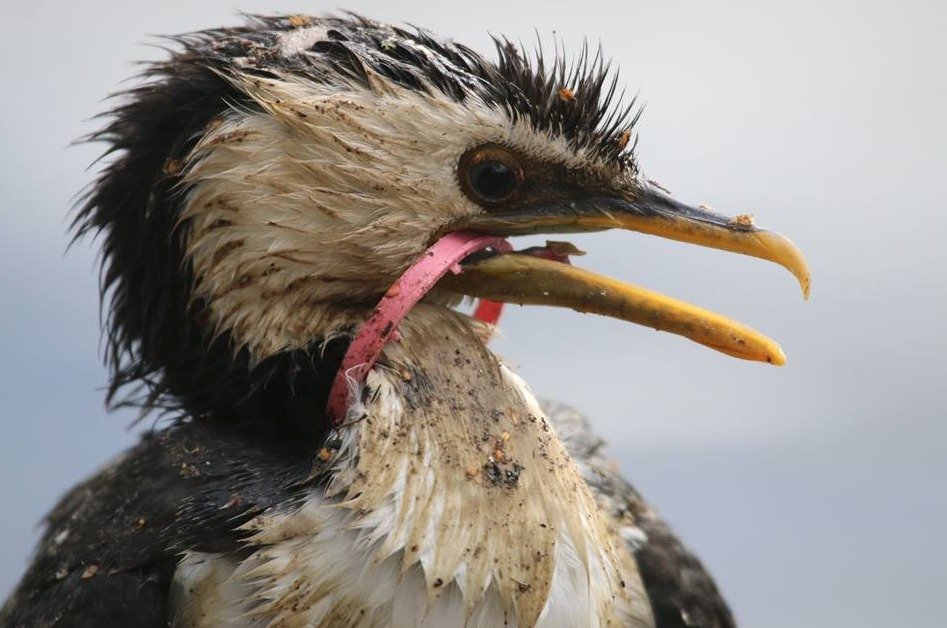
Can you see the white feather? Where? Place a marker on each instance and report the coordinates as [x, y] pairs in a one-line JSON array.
[[406, 535]]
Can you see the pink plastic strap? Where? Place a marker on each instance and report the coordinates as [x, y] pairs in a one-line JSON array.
[[443, 256]]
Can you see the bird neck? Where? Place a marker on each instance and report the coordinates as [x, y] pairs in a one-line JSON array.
[[449, 459]]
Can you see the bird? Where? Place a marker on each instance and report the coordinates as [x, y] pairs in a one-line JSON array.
[[292, 213]]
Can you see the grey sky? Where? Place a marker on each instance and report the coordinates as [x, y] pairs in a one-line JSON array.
[[814, 492]]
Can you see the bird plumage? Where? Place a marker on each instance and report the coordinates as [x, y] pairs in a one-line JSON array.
[[112, 544], [267, 183]]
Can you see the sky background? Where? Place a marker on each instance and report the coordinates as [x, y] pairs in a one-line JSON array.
[[814, 492]]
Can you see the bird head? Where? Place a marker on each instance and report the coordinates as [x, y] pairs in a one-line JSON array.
[[273, 180]]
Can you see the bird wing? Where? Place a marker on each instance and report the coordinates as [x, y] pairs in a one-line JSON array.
[[111, 544], [681, 591]]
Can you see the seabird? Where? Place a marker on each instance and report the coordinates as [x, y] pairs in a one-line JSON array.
[[290, 213]]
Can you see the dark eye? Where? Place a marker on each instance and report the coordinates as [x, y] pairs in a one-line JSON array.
[[490, 174], [492, 181]]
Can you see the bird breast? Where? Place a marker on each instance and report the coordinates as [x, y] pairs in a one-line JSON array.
[[452, 503]]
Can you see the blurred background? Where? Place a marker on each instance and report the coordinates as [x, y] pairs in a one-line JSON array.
[[814, 492]]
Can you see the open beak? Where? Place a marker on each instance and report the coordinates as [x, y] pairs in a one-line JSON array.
[[540, 277]]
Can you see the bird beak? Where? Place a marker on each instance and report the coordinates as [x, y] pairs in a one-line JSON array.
[[539, 277]]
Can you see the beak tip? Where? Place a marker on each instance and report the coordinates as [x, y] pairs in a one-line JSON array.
[[805, 283], [778, 358], [781, 250]]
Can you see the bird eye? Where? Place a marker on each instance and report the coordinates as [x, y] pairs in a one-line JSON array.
[[492, 180], [490, 174]]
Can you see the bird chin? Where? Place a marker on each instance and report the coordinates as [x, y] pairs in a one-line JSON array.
[[546, 276]]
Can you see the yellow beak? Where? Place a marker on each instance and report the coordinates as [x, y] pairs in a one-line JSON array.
[[531, 279]]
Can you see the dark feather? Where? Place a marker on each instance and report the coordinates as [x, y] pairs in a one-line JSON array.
[[111, 544], [160, 350]]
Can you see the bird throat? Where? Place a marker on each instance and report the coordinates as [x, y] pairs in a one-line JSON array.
[[452, 490]]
